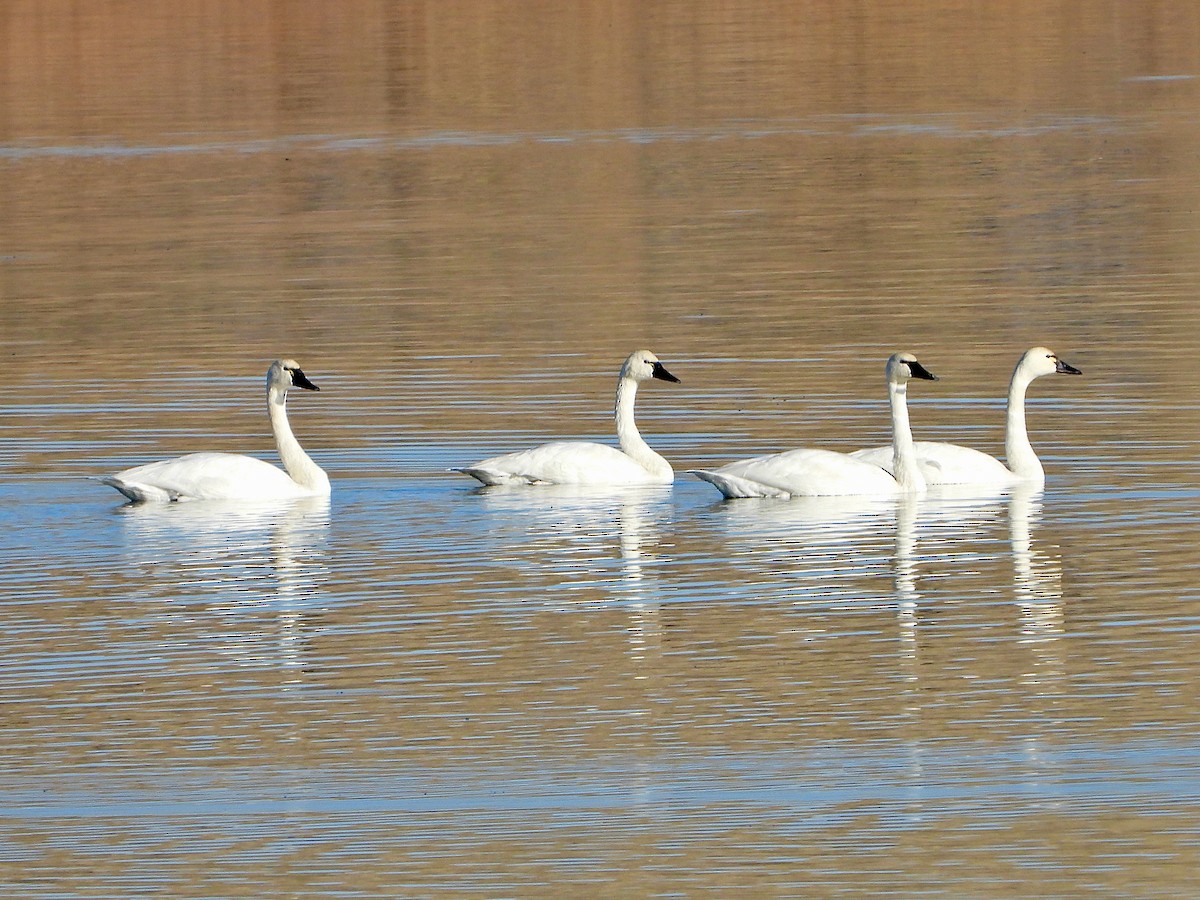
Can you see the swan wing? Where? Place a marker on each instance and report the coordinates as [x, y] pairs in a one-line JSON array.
[[735, 487], [562, 462], [877, 456], [955, 464], [206, 476], [944, 463], [806, 473], [884, 458]]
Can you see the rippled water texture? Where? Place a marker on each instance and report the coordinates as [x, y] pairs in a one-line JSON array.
[[460, 218]]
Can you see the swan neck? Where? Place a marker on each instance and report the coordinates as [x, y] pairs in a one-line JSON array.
[[630, 439], [905, 466], [298, 464], [1018, 452]]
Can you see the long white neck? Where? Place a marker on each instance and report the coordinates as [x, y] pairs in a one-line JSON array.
[[905, 466], [630, 439], [298, 464], [1018, 452]]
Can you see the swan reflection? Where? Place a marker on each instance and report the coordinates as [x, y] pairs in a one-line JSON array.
[[1037, 588], [907, 596], [941, 524], [586, 547], [812, 549], [947, 524], [1036, 570], [577, 537], [241, 562]]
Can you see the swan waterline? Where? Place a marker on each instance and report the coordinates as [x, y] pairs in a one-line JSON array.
[[952, 464], [825, 473], [587, 463], [230, 476]]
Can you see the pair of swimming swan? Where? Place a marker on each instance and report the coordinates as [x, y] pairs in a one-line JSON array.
[[906, 466], [228, 476]]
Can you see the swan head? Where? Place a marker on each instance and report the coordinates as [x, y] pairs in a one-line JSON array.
[[903, 366], [286, 373], [643, 365], [1041, 361]]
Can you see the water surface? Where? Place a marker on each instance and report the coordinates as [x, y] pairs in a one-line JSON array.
[[460, 220]]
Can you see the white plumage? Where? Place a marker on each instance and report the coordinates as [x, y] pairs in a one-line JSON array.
[[943, 463], [582, 462], [824, 473], [229, 476]]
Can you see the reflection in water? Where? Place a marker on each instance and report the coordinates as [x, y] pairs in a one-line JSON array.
[[820, 554], [475, 186], [590, 545], [949, 519], [830, 551], [247, 563], [815, 549], [907, 596], [949, 522], [572, 531], [1037, 587]]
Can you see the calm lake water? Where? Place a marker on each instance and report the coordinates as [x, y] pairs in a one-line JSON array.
[[460, 218]]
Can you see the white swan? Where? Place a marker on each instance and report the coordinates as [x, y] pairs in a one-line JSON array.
[[580, 462], [943, 463], [228, 476], [824, 473]]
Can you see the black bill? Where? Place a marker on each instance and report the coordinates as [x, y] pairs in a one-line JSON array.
[[658, 370], [300, 380]]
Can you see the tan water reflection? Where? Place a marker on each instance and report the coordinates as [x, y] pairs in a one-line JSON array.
[[462, 217]]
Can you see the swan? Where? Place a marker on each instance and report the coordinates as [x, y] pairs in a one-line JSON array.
[[228, 476], [943, 463], [581, 462], [824, 473]]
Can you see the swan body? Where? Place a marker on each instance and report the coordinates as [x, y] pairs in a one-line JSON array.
[[943, 463], [229, 476], [586, 463], [824, 473]]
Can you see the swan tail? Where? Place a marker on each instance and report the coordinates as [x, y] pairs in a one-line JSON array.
[[735, 488], [139, 493], [492, 476]]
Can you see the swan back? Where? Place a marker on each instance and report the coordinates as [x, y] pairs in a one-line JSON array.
[[206, 476]]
